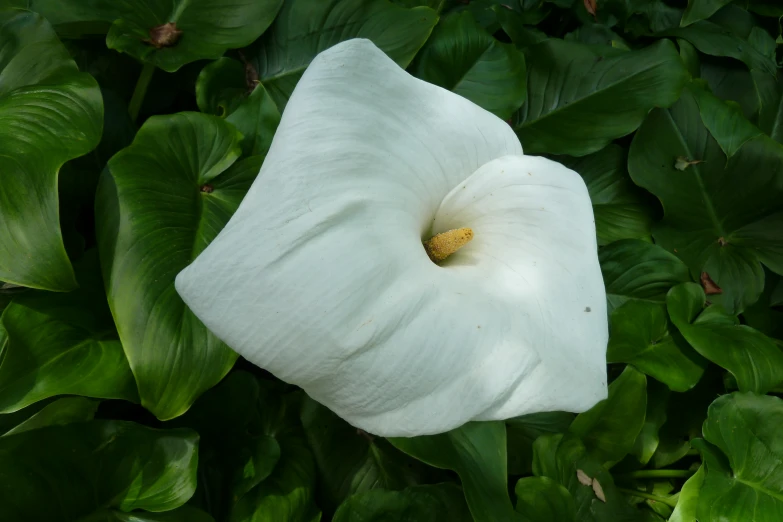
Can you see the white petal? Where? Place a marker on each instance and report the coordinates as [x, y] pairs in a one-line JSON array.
[[321, 278]]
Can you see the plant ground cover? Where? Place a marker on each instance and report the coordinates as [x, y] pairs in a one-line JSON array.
[[131, 130]]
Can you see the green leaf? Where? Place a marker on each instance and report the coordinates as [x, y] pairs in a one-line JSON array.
[[578, 100], [721, 217], [234, 457], [639, 271], [609, 429], [522, 431], [754, 359], [184, 513], [766, 315], [748, 476], [58, 413], [618, 206], [462, 57], [541, 499], [49, 113], [770, 92], [288, 494], [701, 9], [648, 439], [564, 459], [477, 453], [688, 499], [642, 335], [208, 27], [58, 344], [350, 461], [92, 466], [723, 36], [438, 503], [304, 28], [223, 89], [160, 204], [725, 121]]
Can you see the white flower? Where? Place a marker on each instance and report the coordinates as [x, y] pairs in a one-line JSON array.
[[322, 279]]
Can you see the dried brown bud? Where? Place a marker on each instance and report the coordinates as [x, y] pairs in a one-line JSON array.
[[165, 35]]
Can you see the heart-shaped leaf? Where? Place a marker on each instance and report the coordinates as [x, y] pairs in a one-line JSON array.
[[304, 28], [167, 33], [57, 344], [477, 453], [521, 433], [722, 218], [752, 357], [578, 100], [489, 73], [564, 459], [618, 206], [223, 88], [438, 503], [49, 113], [58, 413], [642, 335], [744, 468], [350, 461], [639, 271], [541, 499], [161, 202], [93, 466], [609, 429]]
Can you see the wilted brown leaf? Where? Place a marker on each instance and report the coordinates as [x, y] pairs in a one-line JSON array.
[[710, 288]]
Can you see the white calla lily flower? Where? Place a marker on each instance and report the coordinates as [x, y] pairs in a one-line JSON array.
[[322, 276]]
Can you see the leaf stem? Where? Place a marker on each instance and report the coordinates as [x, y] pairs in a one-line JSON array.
[[141, 89], [649, 496], [658, 473]]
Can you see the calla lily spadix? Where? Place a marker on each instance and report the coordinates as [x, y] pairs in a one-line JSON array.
[[402, 261]]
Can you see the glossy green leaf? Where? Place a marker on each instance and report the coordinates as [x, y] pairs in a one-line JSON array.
[[564, 459], [522, 431], [350, 461], [58, 413], [233, 456], [648, 439], [725, 121], [642, 335], [723, 36], [688, 499], [488, 73], [49, 113], [223, 89], [438, 503], [685, 414], [744, 468], [766, 314], [770, 92], [578, 101], [208, 27], [637, 270], [701, 9], [609, 429], [184, 513], [161, 202], [753, 358], [541, 499], [721, 217], [288, 494], [618, 206], [304, 28], [58, 344], [477, 453], [149, 469]]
